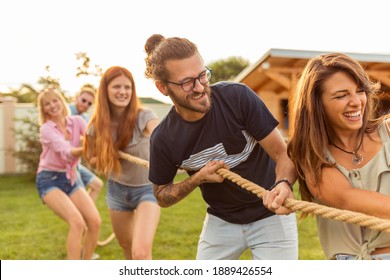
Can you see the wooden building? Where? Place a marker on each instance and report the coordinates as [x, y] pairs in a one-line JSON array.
[[274, 75]]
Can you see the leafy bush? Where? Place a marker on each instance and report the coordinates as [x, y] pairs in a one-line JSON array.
[[29, 147]]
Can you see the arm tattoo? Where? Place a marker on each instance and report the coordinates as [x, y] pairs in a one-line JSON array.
[[171, 193]]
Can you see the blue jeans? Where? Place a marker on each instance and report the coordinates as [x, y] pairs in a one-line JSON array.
[[124, 198], [49, 180], [86, 175], [272, 238]]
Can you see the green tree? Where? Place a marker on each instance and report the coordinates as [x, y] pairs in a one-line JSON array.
[[227, 69], [85, 68], [27, 93]]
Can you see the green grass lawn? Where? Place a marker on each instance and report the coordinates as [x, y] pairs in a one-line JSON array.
[[30, 231]]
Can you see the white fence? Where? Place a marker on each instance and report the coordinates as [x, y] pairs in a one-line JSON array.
[[10, 111]]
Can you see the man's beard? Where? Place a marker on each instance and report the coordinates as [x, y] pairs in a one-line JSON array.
[[185, 103]]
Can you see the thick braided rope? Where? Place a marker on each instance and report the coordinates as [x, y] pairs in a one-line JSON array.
[[364, 220], [134, 159], [360, 219]]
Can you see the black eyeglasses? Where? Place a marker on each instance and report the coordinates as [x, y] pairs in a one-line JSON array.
[[188, 84], [86, 101]]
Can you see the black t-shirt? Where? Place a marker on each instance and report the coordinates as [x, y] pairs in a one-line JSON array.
[[229, 131]]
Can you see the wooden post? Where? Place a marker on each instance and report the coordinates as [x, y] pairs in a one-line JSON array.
[[8, 133]]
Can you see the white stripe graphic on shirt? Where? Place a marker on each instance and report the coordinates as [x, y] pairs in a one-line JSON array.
[[217, 152]]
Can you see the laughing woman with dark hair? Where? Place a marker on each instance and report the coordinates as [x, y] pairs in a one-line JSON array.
[[342, 153]]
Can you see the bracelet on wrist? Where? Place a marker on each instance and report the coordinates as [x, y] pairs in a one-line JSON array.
[[281, 181]]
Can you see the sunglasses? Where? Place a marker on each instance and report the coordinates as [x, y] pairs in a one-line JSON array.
[[86, 101]]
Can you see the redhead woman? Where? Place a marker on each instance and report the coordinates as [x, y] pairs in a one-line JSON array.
[[119, 123]]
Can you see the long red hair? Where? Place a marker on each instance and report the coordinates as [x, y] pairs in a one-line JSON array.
[[100, 144]]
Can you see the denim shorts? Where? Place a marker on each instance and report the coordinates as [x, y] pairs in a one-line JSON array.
[[86, 175], [49, 180], [124, 198]]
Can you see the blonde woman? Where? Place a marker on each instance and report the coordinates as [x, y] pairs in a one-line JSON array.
[[120, 124], [57, 182]]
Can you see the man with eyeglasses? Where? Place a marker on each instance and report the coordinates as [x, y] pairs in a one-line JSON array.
[[83, 101], [224, 125]]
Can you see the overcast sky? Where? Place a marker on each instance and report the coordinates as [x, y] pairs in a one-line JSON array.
[[36, 33]]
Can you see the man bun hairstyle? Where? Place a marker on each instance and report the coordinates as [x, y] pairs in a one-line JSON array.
[[152, 43], [160, 49]]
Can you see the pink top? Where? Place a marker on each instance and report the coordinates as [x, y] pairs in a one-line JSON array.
[[56, 150]]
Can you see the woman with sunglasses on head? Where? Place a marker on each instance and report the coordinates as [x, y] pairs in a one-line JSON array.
[[57, 182], [119, 123], [342, 153]]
